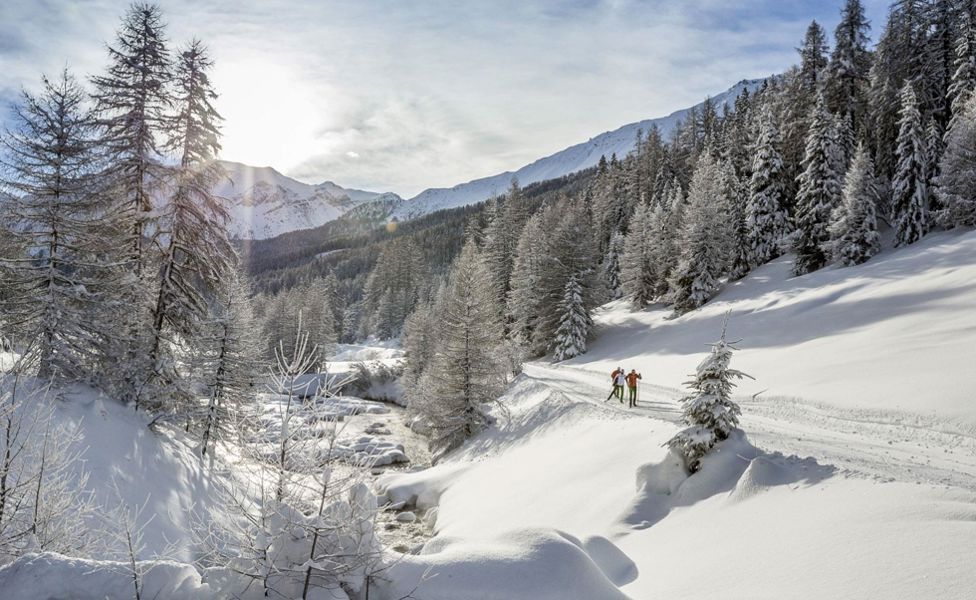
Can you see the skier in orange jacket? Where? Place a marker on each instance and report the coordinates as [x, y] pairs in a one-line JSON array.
[[632, 378]]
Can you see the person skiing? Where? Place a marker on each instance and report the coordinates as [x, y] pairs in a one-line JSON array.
[[617, 377], [632, 378]]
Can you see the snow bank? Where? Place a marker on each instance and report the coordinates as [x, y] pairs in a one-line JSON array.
[[525, 564], [130, 464], [54, 577]]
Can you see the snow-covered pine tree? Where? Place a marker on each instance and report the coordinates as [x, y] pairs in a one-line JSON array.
[[818, 195], [702, 238], [957, 180], [230, 364], [501, 239], [910, 195], [813, 57], [637, 269], [964, 71], [767, 217], [738, 251], [421, 331], [131, 102], [610, 269], [59, 290], [667, 220], [575, 323], [197, 254], [709, 411], [854, 234], [847, 72], [465, 373], [570, 249], [524, 302]]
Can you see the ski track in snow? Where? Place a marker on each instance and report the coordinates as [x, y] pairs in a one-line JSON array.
[[885, 446]]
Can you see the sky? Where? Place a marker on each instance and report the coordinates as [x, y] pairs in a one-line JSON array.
[[402, 95]]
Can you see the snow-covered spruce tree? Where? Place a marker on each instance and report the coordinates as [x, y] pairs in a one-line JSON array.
[[813, 57], [702, 238], [847, 73], [319, 315], [910, 194], [964, 72], [59, 289], [229, 364], [767, 217], [818, 195], [637, 268], [709, 411], [854, 234], [957, 180], [575, 323], [610, 269], [197, 254], [465, 373]]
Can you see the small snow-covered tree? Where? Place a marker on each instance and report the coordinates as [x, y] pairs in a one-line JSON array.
[[767, 217], [695, 279], [575, 323], [909, 189], [818, 195], [709, 411], [854, 230], [43, 505], [957, 180]]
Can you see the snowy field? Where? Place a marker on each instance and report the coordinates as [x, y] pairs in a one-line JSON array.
[[856, 478]]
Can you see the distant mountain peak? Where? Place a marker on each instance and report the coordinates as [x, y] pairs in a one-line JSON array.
[[581, 156]]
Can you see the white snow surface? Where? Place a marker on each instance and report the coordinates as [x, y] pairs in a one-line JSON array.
[[855, 477], [264, 203], [620, 141]]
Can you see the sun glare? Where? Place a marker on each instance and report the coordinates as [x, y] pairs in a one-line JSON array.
[[270, 115]]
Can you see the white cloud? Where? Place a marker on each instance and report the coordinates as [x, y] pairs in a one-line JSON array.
[[406, 95]]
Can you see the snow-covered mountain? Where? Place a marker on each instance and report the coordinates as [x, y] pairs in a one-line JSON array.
[[575, 158], [264, 203]]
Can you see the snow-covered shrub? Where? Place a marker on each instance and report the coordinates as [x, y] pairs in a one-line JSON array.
[[300, 523], [42, 503], [709, 411]]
